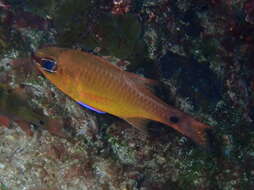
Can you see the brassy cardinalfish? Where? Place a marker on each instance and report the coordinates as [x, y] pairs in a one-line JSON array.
[[103, 87]]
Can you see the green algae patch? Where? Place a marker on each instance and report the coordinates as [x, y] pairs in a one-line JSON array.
[[16, 107], [3, 187], [87, 26], [122, 150], [119, 34]]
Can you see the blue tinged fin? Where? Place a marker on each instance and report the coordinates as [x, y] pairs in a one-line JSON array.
[[90, 108]]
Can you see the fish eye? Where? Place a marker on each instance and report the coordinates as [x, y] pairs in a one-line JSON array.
[[48, 65]]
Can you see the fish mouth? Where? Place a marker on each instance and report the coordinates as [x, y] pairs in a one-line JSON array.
[[36, 58]]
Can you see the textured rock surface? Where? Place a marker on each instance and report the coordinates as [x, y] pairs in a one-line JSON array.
[[201, 51]]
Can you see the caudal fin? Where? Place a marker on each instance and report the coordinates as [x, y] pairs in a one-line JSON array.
[[188, 126]]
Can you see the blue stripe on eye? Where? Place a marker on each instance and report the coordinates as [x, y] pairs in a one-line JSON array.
[[90, 108], [48, 65]]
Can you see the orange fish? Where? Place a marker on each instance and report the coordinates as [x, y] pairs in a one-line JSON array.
[[99, 85]]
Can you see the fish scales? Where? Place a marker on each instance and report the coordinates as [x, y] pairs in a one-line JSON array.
[[93, 81], [98, 88], [123, 91]]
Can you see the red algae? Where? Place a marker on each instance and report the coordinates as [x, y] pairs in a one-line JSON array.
[[249, 11], [121, 7], [5, 121]]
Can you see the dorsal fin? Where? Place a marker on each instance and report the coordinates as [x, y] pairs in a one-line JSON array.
[[142, 80], [145, 85], [136, 78], [105, 61]]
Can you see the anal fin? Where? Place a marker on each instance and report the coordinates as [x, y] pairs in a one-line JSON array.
[[139, 123]]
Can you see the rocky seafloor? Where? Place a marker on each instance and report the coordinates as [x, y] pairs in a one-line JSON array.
[[202, 52]]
